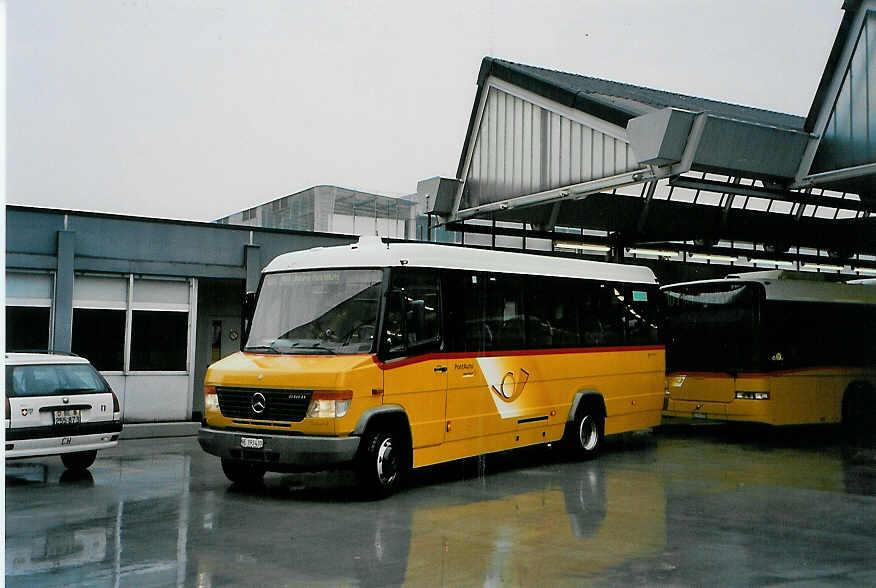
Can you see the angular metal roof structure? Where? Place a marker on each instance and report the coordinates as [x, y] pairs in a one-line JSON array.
[[559, 151], [843, 113]]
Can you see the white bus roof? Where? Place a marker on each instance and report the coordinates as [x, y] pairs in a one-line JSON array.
[[372, 252], [798, 290]]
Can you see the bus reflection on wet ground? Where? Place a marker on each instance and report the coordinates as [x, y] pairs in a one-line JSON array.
[[683, 505]]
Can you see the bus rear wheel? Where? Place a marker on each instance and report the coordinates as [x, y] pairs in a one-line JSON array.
[[241, 472], [587, 433], [383, 463]]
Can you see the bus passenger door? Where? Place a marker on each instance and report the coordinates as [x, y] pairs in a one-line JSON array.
[[484, 318], [415, 377], [420, 387]]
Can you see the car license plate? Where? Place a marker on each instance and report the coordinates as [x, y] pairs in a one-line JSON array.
[[700, 415], [252, 443], [67, 417]]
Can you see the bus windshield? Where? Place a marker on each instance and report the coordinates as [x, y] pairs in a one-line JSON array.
[[316, 312], [712, 327]]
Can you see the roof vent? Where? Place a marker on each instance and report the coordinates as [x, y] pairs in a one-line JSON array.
[[368, 241]]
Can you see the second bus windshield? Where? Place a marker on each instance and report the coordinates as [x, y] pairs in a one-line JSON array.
[[712, 327]]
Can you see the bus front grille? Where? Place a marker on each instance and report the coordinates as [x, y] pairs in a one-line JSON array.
[[263, 404]]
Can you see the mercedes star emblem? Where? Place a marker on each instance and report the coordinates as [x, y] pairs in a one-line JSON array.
[[258, 403]]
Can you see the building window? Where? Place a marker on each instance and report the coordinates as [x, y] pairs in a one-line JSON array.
[[27, 327], [28, 310], [159, 341], [99, 336]]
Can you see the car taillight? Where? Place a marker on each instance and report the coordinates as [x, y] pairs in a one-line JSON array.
[[8, 411], [116, 407]]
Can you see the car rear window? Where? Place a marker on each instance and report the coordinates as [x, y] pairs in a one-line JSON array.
[[51, 379]]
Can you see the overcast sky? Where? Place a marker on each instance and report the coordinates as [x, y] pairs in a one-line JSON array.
[[196, 109]]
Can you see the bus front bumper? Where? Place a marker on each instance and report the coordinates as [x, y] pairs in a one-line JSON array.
[[279, 452], [754, 411]]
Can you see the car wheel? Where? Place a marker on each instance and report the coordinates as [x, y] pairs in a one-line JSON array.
[[383, 463], [80, 460], [241, 472]]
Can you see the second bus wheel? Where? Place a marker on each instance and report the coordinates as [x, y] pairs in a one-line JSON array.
[[587, 433], [241, 472], [383, 462]]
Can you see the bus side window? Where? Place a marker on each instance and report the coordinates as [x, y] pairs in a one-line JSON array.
[[640, 314], [413, 314], [395, 326], [601, 315], [551, 313], [504, 324]]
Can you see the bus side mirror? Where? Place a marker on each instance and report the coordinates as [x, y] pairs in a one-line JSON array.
[[247, 311]]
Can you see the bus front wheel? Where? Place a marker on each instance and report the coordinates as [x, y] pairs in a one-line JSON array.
[[383, 462], [241, 472], [585, 438], [859, 413]]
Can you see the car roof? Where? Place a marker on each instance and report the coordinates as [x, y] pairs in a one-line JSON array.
[[42, 358]]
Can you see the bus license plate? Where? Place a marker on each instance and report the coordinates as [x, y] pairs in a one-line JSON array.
[[252, 443], [67, 417], [700, 415]]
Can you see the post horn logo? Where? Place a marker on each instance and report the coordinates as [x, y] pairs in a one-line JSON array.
[[511, 388]]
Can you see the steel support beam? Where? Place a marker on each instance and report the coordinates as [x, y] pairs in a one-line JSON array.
[[769, 194], [573, 192]]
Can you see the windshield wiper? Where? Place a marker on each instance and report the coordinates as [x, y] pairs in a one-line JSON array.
[[275, 348], [270, 348], [74, 390], [314, 345]]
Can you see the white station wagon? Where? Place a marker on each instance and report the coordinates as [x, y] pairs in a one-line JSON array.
[[58, 404]]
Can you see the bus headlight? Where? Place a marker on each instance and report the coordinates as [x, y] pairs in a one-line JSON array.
[[211, 399], [748, 395], [329, 404]]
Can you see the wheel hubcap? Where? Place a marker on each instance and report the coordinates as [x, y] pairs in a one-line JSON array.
[[387, 463], [588, 433]]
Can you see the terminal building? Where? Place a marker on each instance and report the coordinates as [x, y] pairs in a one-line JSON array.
[[330, 209], [151, 303], [555, 162]]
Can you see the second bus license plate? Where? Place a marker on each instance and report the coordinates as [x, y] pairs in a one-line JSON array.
[[252, 442]]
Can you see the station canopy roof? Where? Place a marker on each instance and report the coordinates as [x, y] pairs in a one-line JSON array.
[[560, 151]]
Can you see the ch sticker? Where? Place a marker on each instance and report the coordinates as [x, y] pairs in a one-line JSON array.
[[511, 387]]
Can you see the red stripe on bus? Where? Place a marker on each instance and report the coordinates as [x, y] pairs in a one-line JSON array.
[[400, 362], [700, 374], [854, 370]]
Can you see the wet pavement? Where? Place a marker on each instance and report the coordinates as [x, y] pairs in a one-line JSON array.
[[679, 506]]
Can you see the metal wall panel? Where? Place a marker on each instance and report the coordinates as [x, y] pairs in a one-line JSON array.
[[850, 136], [522, 148]]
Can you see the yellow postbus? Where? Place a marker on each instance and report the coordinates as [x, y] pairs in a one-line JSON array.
[[387, 356], [779, 348]]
